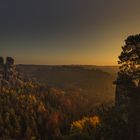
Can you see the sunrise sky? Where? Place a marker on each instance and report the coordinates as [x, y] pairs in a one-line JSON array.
[[66, 31]]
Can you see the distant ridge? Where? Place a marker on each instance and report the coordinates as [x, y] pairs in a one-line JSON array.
[[110, 69]]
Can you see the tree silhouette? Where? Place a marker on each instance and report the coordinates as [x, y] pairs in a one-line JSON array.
[[130, 60], [129, 79]]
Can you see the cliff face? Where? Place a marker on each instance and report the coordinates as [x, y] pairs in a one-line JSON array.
[[9, 77], [134, 114], [121, 96], [122, 100], [127, 99], [1, 68]]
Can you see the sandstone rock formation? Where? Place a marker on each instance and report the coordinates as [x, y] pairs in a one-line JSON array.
[[9, 76]]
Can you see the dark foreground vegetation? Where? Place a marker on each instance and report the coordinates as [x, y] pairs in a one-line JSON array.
[[36, 112]]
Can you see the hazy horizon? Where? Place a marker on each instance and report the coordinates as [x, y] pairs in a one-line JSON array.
[[66, 65]]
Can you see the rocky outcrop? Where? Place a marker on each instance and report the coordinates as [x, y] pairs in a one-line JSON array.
[[127, 100], [1, 61], [9, 76], [134, 113]]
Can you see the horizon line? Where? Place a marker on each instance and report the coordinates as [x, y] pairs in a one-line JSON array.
[[67, 64]]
